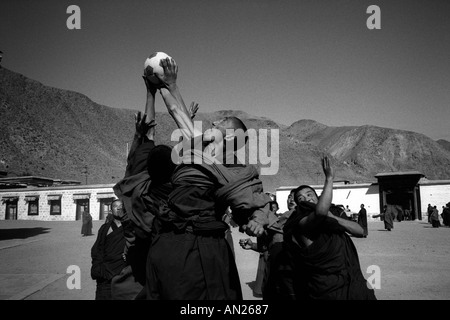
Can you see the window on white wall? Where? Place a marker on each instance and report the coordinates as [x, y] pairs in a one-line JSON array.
[[55, 207], [105, 208], [55, 204], [33, 205]]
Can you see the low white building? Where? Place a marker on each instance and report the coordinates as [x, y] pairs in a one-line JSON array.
[[352, 195], [434, 192], [36, 198], [411, 190], [45, 199]]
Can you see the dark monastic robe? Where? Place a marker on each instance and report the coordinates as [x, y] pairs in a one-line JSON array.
[[107, 260], [327, 269], [446, 216], [86, 227], [274, 240], [268, 246], [389, 215], [141, 199], [362, 220], [190, 258], [435, 219]]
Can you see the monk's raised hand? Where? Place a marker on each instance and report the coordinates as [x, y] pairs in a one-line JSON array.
[[151, 88], [327, 168], [142, 124], [170, 72], [193, 108]]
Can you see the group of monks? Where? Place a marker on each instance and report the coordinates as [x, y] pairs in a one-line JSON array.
[[175, 203]]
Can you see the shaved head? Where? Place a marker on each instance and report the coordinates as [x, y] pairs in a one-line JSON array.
[[236, 123], [240, 131]]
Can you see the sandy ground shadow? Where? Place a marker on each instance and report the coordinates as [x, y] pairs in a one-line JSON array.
[[22, 233]]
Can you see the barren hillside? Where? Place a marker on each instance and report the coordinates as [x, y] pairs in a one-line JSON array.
[[57, 133]]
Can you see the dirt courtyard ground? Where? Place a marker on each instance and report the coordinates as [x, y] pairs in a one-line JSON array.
[[413, 259]]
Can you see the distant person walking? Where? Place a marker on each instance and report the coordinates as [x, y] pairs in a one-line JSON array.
[[86, 227], [407, 213], [435, 218], [362, 220], [388, 216], [442, 215], [429, 212], [400, 213], [446, 215]]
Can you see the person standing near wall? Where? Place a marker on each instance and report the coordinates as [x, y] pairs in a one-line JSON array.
[[429, 212], [435, 218], [86, 227], [446, 215], [362, 220]]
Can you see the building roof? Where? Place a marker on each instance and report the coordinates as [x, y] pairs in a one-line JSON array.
[[399, 180], [23, 182], [341, 181], [335, 185], [8, 185], [425, 181], [399, 173]]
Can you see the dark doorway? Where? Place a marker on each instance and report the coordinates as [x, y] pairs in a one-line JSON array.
[[11, 210], [401, 189], [403, 199], [105, 207], [82, 206]]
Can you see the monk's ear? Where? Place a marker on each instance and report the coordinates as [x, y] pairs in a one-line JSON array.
[[228, 142], [236, 137], [228, 137]]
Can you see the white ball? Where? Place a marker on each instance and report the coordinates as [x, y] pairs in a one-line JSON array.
[[152, 67]]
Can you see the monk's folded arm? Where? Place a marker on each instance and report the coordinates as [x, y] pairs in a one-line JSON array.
[[350, 226]]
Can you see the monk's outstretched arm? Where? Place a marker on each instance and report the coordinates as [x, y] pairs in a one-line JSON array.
[[324, 202], [169, 79], [144, 123], [327, 194], [182, 119], [323, 205], [150, 108], [174, 101]]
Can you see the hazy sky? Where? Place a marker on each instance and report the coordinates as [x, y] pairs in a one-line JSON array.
[[285, 60]]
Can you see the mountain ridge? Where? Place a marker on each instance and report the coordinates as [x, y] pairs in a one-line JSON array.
[[59, 133]]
